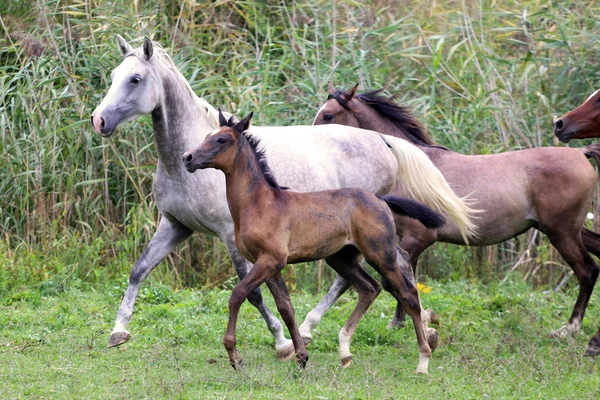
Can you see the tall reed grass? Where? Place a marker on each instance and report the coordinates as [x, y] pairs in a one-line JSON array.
[[484, 76]]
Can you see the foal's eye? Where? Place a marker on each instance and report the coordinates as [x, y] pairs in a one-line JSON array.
[[221, 140], [328, 117], [135, 80]]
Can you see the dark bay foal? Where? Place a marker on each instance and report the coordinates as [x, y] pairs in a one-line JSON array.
[[275, 227]]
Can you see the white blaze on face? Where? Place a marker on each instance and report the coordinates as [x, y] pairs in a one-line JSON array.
[[319, 112], [592, 95]]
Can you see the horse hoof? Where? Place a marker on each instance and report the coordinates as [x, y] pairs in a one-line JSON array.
[[286, 352], [433, 338], [307, 339], [118, 338], [422, 371], [395, 324], [238, 364], [593, 347], [302, 360], [346, 361]]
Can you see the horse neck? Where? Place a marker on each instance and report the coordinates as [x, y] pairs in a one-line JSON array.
[[370, 119], [246, 184], [179, 122]]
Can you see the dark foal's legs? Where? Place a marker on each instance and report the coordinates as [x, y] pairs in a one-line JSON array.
[[284, 305], [346, 264], [283, 346], [265, 267], [571, 248]]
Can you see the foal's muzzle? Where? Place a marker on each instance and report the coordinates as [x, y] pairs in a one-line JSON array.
[[190, 163]]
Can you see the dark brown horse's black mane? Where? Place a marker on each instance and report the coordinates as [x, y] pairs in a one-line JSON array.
[[261, 158], [389, 109]]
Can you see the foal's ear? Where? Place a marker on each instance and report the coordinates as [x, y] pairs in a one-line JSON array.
[[244, 124], [352, 92], [330, 88], [222, 119], [148, 49], [124, 47]]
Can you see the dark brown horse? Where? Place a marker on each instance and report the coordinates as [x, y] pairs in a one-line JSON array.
[[549, 189], [580, 123], [274, 227]]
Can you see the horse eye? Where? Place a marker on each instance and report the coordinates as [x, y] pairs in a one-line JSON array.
[[328, 117], [135, 80], [221, 140]]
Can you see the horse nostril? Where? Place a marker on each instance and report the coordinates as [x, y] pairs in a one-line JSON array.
[[92, 120], [559, 124], [101, 123], [187, 158]]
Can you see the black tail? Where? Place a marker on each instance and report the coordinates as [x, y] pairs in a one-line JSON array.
[[416, 210], [592, 151]]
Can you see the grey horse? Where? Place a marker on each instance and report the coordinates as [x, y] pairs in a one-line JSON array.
[[305, 158]]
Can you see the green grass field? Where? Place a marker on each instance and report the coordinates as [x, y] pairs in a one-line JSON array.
[[494, 344]]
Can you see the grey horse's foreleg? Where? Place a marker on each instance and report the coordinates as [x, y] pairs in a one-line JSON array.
[[167, 236], [339, 287], [283, 346]]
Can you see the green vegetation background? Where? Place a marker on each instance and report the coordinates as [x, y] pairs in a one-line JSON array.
[[484, 77], [76, 210]]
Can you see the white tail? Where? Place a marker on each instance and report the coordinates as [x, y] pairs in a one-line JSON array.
[[424, 182]]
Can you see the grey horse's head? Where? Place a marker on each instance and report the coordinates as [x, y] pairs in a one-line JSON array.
[[135, 90]]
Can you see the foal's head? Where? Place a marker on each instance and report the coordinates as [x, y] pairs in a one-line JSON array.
[[220, 147]]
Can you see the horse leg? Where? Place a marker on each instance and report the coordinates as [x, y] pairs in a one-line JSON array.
[[407, 294], [571, 248], [591, 241], [284, 305], [284, 347], [593, 347], [346, 264], [339, 287], [167, 236], [414, 245], [254, 278]]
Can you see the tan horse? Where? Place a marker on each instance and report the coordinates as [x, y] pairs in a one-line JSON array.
[[274, 227], [580, 123], [549, 189]]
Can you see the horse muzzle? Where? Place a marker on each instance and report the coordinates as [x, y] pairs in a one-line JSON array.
[[192, 163], [104, 123], [562, 131]]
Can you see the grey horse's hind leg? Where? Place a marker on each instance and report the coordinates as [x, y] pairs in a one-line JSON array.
[[167, 236], [283, 346], [338, 288]]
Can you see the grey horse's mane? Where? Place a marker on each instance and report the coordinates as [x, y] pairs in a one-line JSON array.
[[165, 65]]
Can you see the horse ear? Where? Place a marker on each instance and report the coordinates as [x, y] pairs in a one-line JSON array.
[[222, 119], [124, 47], [352, 92], [330, 88], [148, 49], [244, 124]]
